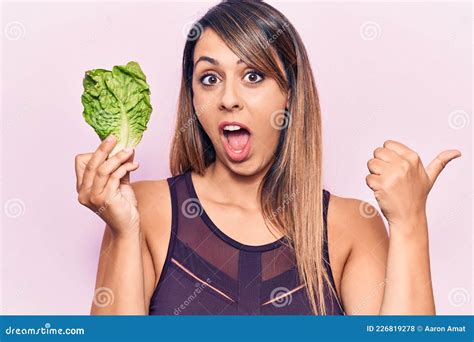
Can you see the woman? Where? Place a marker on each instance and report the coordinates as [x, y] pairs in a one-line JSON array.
[[244, 225]]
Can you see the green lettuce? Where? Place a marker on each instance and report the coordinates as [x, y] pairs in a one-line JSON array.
[[117, 102]]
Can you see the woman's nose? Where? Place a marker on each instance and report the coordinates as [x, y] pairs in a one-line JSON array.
[[230, 99]]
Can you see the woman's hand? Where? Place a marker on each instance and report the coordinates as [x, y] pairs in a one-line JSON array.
[[400, 181], [104, 186]]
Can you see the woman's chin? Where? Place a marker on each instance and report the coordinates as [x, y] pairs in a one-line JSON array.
[[250, 167]]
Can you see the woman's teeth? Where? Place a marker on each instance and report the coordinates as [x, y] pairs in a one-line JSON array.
[[236, 140], [231, 128]]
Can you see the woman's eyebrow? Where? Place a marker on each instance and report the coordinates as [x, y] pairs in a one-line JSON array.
[[211, 60]]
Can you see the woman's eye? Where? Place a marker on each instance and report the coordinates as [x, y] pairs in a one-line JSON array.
[[253, 77], [211, 80]]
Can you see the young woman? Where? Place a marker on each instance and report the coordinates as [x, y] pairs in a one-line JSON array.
[[244, 225]]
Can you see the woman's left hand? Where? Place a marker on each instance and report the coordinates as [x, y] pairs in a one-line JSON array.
[[400, 181]]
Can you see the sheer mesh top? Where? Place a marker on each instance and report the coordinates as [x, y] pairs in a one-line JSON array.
[[206, 272]]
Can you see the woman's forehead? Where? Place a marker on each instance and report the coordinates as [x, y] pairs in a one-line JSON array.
[[211, 45]]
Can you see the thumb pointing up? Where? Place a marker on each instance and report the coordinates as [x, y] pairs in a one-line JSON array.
[[437, 165]]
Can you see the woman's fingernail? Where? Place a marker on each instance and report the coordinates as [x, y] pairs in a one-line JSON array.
[[127, 149], [110, 138], [135, 163]]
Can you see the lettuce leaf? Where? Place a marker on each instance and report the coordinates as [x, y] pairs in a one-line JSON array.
[[117, 102]]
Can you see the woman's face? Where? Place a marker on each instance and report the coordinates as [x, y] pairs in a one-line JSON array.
[[237, 106]]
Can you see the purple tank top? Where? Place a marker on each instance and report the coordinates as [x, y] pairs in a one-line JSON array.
[[206, 272]]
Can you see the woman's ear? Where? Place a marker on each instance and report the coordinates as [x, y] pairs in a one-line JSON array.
[[288, 99]]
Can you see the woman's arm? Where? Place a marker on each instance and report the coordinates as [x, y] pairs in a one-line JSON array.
[[126, 276], [120, 284], [409, 290], [363, 277], [401, 185], [386, 276]]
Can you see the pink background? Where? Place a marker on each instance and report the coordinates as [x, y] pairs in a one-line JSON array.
[[384, 71]]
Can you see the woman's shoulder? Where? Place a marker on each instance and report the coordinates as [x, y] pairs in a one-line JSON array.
[[149, 187], [154, 205], [344, 209], [151, 191], [339, 240], [354, 222], [356, 233]]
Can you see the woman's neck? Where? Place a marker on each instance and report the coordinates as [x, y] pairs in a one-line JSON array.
[[233, 188]]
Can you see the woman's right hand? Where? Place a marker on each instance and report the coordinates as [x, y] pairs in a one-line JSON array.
[[103, 185]]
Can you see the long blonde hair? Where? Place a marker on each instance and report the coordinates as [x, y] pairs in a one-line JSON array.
[[260, 35]]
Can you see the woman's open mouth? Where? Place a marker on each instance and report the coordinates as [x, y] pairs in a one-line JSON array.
[[235, 137]]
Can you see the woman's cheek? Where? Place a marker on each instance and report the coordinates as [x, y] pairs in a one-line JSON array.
[[269, 139]]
